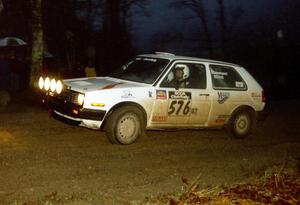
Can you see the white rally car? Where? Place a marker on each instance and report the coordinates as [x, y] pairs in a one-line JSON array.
[[159, 91]]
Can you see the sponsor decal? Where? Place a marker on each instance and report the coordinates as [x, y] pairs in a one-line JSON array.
[[179, 108], [95, 104], [150, 59], [126, 94], [194, 111], [256, 95], [161, 94], [221, 119], [180, 95], [179, 103], [223, 116], [110, 86], [221, 77], [150, 94], [218, 73], [159, 118], [222, 97], [239, 84]]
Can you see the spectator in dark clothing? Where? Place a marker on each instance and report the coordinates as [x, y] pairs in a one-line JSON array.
[[16, 67], [4, 73], [78, 71]]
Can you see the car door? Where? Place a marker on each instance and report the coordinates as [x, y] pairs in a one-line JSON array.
[[182, 105], [229, 91], [201, 95]]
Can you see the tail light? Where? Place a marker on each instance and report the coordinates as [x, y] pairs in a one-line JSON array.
[[263, 97]]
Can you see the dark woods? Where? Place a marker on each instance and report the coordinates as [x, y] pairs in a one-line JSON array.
[[65, 36]]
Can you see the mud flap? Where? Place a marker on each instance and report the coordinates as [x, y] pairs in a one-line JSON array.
[[50, 113]]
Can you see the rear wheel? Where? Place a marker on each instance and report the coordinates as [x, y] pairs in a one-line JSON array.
[[241, 124], [125, 125]]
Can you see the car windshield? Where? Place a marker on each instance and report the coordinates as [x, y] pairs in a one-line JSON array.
[[142, 69]]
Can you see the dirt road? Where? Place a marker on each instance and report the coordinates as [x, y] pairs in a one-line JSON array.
[[44, 160]]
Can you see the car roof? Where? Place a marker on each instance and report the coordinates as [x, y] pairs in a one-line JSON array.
[[170, 56]]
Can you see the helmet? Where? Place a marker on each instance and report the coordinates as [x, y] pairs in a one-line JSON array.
[[185, 69]]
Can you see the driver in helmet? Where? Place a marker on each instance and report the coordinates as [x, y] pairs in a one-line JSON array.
[[182, 73]]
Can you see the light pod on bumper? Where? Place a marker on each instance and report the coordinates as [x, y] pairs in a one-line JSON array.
[[53, 85], [47, 84], [41, 82], [59, 87]]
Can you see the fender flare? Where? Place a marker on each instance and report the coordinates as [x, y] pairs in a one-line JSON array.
[[115, 107]]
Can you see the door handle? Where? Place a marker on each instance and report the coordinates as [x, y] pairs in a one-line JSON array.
[[204, 94]]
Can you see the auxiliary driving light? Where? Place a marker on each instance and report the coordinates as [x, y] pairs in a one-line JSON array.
[[59, 87], [41, 83], [53, 85], [80, 99], [47, 84]]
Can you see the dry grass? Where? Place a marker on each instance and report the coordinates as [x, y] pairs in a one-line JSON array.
[[279, 185]]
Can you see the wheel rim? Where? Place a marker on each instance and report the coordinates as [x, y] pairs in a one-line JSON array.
[[127, 128], [242, 124]]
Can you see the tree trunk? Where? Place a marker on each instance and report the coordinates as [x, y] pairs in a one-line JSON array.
[[207, 35], [223, 26], [1, 6], [201, 12], [197, 7], [37, 42]]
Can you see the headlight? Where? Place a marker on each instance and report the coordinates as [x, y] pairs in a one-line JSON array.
[[53, 85], [80, 99], [47, 84], [59, 87], [41, 83]]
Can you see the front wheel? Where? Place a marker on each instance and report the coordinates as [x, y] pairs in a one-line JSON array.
[[125, 125], [241, 124]]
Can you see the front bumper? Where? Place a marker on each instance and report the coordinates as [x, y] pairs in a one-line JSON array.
[[67, 108]]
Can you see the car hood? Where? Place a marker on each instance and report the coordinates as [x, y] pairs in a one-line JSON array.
[[84, 85]]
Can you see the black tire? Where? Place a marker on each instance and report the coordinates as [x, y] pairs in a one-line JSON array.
[[241, 124], [125, 125]]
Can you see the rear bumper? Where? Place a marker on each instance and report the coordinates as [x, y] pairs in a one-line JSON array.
[[262, 115]]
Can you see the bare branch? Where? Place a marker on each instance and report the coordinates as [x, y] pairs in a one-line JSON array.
[[197, 7], [1, 6]]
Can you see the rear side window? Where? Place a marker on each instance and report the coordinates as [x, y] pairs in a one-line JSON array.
[[226, 78]]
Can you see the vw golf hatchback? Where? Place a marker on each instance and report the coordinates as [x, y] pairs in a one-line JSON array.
[[159, 91]]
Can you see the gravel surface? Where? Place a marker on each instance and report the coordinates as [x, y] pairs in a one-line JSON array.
[[44, 161]]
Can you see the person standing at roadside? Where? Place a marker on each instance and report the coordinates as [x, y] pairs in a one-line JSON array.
[[90, 70], [16, 67], [4, 73]]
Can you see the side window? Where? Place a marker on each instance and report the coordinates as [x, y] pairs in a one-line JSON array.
[[186, 75], [224, 77]]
